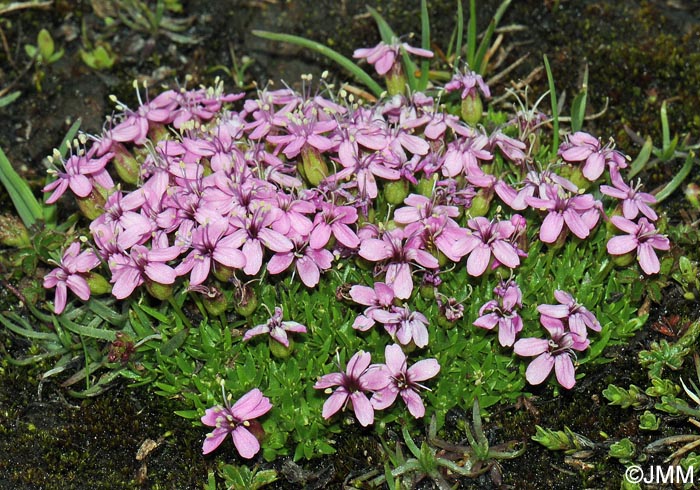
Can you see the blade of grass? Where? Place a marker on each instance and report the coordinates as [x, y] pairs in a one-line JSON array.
[[27, 206], [678, 179], [346, 63], [460, 33], [578, 106], [471, 35], [640, 162], [480, 62], [425, 44], [555, 108]]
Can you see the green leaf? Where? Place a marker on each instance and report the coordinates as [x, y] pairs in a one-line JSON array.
[[460, 33], [174, 343], [346, 63], [87, 331], [578, 106], [425, 44], [9, 98], [28, 208], [45, 44], [642, 159], [555, 109], [678, 179]]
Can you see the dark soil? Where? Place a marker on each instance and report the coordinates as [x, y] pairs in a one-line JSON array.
[[638, 53]]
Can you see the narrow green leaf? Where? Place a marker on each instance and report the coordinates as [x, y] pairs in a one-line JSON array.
[[460, 34], [578, 106], [640, 162], [25, 332], [678, 179], [174, 343], [70, 135], [87, 331], [346, 63], [425, 44], [27, 206], [9, 98], [555, 108], [471, 35], [480, 57], [665, 130]]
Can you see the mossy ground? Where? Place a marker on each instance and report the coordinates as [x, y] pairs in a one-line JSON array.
[[639, 54]]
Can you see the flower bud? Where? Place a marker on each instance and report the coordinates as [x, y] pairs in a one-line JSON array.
[[396, 191], [98, 284], [127, 166], [278, 350], [13, 233], [222, 272], [159, 291], [245, 300], [426, 186], [471, 109], [313, 165], [623, 260], [395, 80], [480, 204], [93, 205], [215, 302]]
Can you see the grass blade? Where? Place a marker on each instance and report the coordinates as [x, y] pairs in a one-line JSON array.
[[460, 34], [346, 63], [471, 35], [640, 162], [555, 108], [425, 44], [678, 179], [27, 206], [578, 106]]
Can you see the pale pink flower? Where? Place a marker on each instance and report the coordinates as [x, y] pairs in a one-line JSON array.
[[276, 328], [70, 274], [641, 236]]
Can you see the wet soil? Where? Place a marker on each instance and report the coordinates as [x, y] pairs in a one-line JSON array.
[[638, 53]]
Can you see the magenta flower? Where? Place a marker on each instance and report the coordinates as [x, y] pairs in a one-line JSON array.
[[358, 378], [70, 274], [641, 236], [81, 172], [209, 245], [633, 201], [488, 238], [381, 297], [578, 212], [276, 328], [399, 255], [383, 56], [577, 315], [130, 271], [404, 381], [302, 132], [468, 83], [463, 155], [555, 353], [503, 312], [309, 261], [404, 324], [237, 420], [334, 220], [582, 147]]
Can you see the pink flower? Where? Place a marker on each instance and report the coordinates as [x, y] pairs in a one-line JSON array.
[[383, 56], [582, 147], [358, 378], [381, 297], [503, 312], [130, 271], [555, 353], [237, 421], [309, 261], [404, 324], [81, 172], [488, 238], [633, 201], [70, 274], [468, 83], [399, 256], [276, 328], [577, 315], [579, 212], [404, 381], [641, 236]]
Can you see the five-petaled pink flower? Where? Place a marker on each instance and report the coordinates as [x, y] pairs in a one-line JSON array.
[[557, 353], [641, 236], [404, 381], [488, 238], [383, 55], [358, 378], [577, 315], [276, 328], [70, 274], [236, 420]]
